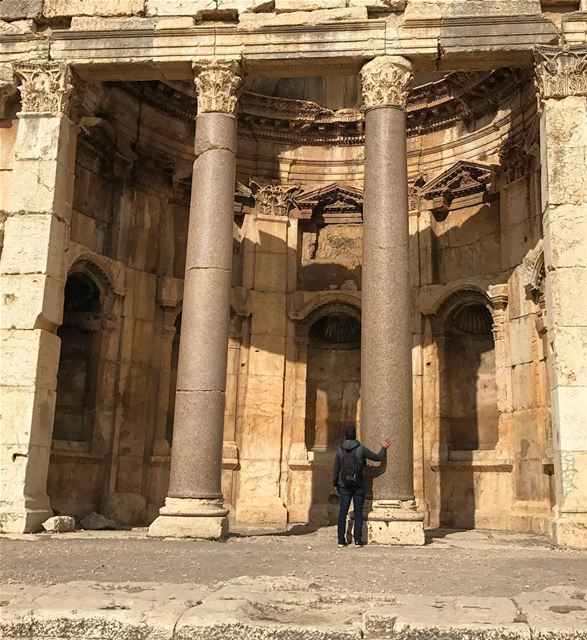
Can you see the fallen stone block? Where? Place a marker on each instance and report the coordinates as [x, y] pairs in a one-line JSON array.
[[96, 522], [59, 524]]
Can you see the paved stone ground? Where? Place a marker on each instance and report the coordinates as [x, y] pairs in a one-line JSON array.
[[289, 586]]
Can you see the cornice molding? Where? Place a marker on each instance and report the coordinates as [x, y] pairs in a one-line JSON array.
[[430, 107]]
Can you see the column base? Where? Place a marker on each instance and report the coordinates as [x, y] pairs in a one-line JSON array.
[[190, 518], [26, 518], [394, 522], [570, 530]]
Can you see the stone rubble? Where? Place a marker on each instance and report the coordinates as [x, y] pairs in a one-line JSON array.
[[59, 524]]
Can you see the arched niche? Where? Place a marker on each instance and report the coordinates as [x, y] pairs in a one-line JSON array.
[[464, 330], [333, 376], [83, 421], [77, 377]]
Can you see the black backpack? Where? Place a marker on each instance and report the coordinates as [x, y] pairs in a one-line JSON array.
[[350, 468]]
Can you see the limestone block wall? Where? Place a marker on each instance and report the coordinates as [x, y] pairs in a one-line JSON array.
[[128, 229]]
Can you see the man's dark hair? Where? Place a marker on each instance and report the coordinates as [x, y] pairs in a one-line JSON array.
[[350, 432]]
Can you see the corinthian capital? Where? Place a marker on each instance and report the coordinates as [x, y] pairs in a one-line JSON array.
[[45, 87], [561, 72], [386, 81], [274, 200], [217, 84]]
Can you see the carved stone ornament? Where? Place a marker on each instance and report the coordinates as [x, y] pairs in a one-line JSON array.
[[45, 87], [274, 200], [217, 84], [534, 272], [561, 72], [386, 81]]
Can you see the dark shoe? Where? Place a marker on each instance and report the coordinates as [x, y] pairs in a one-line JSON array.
[[342, 544], [359, 544]]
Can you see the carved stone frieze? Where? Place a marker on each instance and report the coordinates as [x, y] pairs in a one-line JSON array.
[[217, 84], [45, 87], [498, 294], [415, 192], [515, 162], [386, 81], [274, 200], [431, 107], [561, 72]]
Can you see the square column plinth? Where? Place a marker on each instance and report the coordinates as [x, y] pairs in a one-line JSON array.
[[190, 518], [394, 522]]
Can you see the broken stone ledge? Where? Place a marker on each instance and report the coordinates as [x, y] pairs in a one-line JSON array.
[[287, 608]]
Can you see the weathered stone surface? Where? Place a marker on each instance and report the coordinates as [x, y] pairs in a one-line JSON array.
[[197, 7], [20, 9], [55, 8], [96, 521], [59, 524], [268, 607]]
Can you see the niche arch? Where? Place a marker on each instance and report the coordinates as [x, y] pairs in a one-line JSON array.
[[464, 330], [331, 335], [83, 418]]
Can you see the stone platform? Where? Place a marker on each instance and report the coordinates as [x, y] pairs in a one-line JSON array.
[[285, 608], [290, 583]]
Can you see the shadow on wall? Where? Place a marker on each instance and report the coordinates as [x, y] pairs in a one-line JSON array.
[[468, 405], [326, 393]]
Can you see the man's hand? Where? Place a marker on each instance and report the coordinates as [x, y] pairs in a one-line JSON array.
[[386, 442]]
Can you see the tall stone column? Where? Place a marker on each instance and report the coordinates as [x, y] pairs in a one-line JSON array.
[[33, 273], [562, 87], [386, 336], [194, 506]]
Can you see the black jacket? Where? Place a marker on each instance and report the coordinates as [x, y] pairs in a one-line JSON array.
[[363, 453]]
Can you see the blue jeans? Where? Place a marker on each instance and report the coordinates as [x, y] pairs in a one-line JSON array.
[[357, 496]]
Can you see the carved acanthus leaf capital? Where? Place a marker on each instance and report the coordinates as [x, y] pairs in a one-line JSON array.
[[217, 85], [274, 200], [45, 87], [560, 72], [386, 81]]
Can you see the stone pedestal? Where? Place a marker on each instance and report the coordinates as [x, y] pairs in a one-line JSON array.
[[395, 522], [386, 339], [190, 518], [33, 273], [562, 84], [194, 507]]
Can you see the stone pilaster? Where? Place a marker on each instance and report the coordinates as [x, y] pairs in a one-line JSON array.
[[561, 79], [386, 335], [33, 274], [194, 506], [260, 492]]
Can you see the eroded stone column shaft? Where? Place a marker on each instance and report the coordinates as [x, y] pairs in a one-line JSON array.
[[201, 378], [386, 371]]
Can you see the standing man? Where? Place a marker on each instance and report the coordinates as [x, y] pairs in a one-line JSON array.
[[349, 481]]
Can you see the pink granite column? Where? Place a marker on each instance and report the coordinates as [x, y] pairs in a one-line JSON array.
[[386, 339], [194, 506]]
